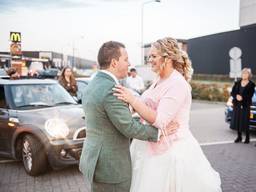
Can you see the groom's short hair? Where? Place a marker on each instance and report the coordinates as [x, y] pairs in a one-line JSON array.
[[108, 51]]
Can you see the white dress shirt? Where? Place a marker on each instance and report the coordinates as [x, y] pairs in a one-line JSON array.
[[135, 83]]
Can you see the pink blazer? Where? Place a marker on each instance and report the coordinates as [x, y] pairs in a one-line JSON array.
[[171, 98]]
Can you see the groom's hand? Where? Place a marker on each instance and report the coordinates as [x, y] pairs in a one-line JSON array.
[[171, 128]]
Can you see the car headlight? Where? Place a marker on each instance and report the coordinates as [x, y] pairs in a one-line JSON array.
[[56, 128]]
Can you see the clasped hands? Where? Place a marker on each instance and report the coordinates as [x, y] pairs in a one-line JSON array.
[[239, 97]]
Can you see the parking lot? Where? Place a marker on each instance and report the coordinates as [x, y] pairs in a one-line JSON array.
[[235, 162]]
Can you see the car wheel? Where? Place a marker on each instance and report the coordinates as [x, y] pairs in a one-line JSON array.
[[33, 156]]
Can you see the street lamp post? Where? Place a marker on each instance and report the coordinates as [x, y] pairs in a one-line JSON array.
[[73, 54], [73, 51], [142, 15]]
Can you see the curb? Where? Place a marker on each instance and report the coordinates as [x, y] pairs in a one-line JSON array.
[[208, 102]]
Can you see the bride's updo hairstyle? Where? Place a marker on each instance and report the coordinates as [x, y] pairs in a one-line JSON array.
[[169, 48]]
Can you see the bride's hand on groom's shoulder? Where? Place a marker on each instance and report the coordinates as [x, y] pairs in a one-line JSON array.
[[123, 94], [171, 128]]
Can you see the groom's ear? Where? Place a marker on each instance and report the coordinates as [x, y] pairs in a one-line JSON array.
[[113, 63]]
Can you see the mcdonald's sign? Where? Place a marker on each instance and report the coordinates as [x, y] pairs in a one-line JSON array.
[[15, 49], [15, 37]]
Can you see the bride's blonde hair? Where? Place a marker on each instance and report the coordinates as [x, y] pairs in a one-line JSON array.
[[169, 48]]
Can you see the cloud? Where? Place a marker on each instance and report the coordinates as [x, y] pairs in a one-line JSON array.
[[7, 6]]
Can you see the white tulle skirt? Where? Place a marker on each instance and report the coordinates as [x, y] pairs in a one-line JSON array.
[[181, 168]]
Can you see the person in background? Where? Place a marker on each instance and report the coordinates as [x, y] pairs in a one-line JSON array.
[[242, 93], [13, 73], [33, 73], [135, 82], [67, 80]]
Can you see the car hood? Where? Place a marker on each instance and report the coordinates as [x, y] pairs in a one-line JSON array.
[[73, 115]]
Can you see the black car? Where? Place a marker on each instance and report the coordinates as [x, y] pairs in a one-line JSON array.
[[229, 113], [40, 124]]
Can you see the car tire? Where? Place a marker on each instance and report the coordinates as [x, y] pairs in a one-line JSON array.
[[33, 156]]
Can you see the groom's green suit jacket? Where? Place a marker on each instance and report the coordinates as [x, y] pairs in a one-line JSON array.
[[105, 156]]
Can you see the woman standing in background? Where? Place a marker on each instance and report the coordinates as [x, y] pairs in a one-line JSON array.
[[242, 93], [68, 81]]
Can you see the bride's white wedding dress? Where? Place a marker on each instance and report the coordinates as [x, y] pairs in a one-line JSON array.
[[176, 163]]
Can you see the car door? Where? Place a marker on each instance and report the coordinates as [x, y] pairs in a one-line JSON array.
[[4, 118]]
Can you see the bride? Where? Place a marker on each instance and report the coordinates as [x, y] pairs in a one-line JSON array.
[[176, 163]]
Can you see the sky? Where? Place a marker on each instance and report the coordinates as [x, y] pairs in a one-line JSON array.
[[83, 26]]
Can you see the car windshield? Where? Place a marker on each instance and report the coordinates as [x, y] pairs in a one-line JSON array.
[[40, 95], [3, 72]]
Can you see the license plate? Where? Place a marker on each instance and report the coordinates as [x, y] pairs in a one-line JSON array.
[[251, 116]]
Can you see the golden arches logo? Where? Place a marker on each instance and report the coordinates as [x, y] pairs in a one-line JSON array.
[[15, 36]]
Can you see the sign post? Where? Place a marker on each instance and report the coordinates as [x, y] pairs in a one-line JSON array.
[[15, 51], [235, 63]]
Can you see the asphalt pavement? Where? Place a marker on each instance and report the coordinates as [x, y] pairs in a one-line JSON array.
[[236, 163]]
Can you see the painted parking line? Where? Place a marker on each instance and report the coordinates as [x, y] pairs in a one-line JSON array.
[[220, 142], [201, 144]]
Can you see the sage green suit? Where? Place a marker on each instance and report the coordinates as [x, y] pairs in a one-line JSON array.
[[105, 156]]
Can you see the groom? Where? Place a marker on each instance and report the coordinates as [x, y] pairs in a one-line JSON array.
[[105, 160]]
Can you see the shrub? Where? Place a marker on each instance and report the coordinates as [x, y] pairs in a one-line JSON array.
[[211, 91]]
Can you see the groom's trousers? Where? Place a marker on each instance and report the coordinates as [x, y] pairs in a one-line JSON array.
[[111, 187]]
